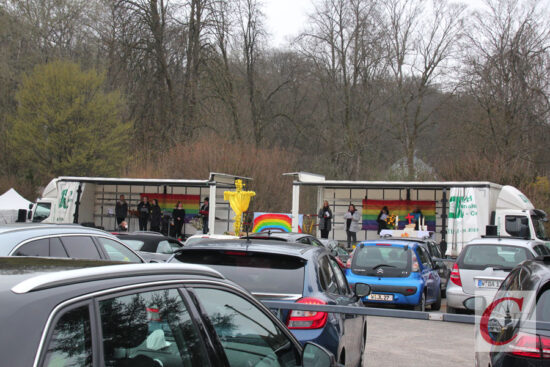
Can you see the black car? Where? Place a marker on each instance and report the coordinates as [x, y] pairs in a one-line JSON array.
[[291, 272], [523, 337], [58, 312], [150, 245]]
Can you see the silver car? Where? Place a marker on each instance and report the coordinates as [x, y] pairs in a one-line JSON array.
[[484, 263]]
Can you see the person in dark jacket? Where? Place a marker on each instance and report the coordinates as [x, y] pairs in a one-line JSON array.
[[417, 213], [121, 210], [156, 216], [179, 218], [205, 212], [144, 210], [381, 220], [325, 219]]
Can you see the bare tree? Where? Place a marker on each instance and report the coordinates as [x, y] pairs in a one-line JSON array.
[[507, 62], [345, 46], [420, 41]]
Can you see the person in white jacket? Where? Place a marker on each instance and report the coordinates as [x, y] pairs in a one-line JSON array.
[[352, 217]]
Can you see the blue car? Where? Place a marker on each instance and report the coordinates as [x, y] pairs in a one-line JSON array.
[[291, 272], [398, 272]]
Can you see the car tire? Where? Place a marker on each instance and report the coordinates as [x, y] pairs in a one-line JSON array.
[[451, 309], [443, 292], [436, 306], [422, 305], [363, 345]]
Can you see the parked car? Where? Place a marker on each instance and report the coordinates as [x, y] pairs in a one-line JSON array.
[[290, 272], [286, 237], [443, 265], [67, 241], [150, 245], [138, 315], [339, 253], [531, 345], [399, 272], [484, 263], [199, 237]]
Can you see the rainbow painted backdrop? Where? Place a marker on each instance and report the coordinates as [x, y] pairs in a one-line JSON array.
[[401, 208], [275, 222], [168, 202]]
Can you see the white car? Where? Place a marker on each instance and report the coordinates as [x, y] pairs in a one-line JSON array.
[[484, 263], [198, 237]]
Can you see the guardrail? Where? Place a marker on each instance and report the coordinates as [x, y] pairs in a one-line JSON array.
[[372, 311]]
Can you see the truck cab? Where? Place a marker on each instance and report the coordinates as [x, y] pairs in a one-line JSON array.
[[516, 216], [45, 206]]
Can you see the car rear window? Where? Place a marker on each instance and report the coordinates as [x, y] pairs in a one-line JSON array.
[[135, 245], [382, 260], [257, 272], [479, 257]]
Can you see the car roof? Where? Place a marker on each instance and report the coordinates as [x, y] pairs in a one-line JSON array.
[[27, 274], [266, 246], [144, 236], [503, 241], [288, 236], [393, 242]]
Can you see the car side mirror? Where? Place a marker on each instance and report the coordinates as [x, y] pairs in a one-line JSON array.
[[477, 304], [315, 355], [362, 290]]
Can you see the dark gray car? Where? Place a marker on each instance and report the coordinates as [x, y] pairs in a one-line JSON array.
[[62, 313]]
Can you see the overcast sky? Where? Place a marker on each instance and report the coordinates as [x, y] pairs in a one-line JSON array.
[[286, 18]]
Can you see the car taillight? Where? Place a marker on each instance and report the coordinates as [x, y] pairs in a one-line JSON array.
[[340, 263], [525, 345], [307, 319], [455, 275], [348, 263], [545, 346]]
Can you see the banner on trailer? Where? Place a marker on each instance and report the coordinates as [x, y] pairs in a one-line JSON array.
[[275, 222], [466, 217], [66, 204], [400, 208], [167, 202]]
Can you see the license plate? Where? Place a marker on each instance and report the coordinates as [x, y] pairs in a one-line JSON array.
[[380, 297], [488, 283]]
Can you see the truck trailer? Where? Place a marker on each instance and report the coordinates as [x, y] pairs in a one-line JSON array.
[[91, 200], [455, 212]]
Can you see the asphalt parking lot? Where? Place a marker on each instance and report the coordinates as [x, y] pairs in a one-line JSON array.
[[418, 343]]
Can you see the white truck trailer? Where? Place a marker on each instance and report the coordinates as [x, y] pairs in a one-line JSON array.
[[456, 212], [91, 200]]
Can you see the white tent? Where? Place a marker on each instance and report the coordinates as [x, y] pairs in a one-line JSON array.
[[10, 203]]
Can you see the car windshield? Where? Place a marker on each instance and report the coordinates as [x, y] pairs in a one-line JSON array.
[[382, 260], [135, 245], [254, 271], [479, 257], [538, 223], [41, 212]]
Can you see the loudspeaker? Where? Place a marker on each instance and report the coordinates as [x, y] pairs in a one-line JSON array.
[[22, 216], [491, 231]]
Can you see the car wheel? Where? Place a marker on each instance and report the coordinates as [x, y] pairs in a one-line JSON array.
[[422, 305], [443, 293], [451, 309], [363, 346], [437, 305]]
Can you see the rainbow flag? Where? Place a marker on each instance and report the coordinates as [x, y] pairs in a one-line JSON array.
[[274, 222], [401, 208], [167, 202]]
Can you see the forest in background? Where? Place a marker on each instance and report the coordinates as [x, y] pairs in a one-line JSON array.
[[394, 89]]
